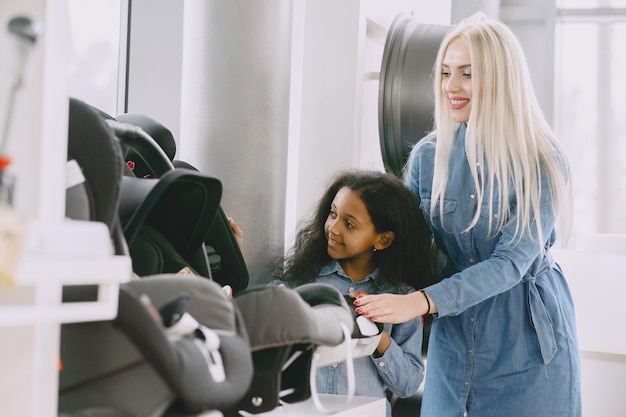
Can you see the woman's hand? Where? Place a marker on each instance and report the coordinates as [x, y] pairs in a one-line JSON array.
[[385, 338], [391, 308]]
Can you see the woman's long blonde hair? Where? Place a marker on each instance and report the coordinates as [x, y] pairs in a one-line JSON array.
[[508, 140]]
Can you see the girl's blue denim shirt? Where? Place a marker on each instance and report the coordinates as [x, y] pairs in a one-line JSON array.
[[503, 341]]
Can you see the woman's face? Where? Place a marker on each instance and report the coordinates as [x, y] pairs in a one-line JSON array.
[[456, 80], [349, 228]]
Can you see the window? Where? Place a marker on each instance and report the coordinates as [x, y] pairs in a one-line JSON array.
[[590, 110], [569, 5], [96, 36]]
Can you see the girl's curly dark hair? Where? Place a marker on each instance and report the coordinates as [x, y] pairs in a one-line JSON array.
[[392, 207]]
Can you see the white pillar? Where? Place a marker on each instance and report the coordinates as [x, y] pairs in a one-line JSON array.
[[235, 112]]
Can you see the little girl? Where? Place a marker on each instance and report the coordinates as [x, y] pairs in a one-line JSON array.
[[368, 236]]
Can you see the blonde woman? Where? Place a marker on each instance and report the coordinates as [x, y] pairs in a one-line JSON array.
[[492, 180]]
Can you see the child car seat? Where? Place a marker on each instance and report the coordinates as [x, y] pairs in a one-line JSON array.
[[287, 330], [134, 365], [226, 261], [166, 220], [163, 222]]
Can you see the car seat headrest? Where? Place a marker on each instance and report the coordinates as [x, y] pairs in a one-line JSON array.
[[161, 134], [92, 144]]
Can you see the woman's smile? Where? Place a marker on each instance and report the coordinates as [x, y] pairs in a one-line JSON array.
[[457, 103]]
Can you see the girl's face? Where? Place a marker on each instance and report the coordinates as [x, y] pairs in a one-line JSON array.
[[456, 80], [349, 229]]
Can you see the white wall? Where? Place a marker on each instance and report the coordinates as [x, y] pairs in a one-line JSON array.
[[334, 106], [594, 269]]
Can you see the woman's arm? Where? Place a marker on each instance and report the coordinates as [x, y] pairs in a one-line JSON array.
[[504, 268], [507, 265]]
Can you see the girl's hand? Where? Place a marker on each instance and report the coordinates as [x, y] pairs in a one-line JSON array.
[[236, 231], [391, 308], [384, 343]]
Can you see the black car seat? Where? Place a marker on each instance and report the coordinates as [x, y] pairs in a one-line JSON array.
[[166, 220], [163, 222], [226, 260]]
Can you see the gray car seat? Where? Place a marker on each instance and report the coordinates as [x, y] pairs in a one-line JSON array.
[[286, 326], [133, 365], [93, 193]]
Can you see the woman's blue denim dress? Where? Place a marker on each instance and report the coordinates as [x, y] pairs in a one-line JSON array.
[[503, 342]]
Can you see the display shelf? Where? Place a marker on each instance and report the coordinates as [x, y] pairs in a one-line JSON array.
[[47, 275], [358, 407], [68, 253]]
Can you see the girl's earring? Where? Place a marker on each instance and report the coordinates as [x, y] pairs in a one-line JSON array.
[[375, 249]]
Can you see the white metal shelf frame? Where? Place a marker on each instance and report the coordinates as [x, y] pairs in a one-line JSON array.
[[43, 311]]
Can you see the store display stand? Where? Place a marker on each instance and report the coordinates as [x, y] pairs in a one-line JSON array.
[[69, 253], [358, 407]]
